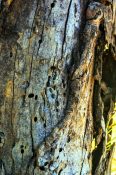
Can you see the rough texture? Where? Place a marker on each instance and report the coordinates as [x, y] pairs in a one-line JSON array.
[[46, 85], [36, 46], [71, 142]]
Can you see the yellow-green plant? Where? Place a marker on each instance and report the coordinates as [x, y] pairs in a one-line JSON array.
[[111, 137]]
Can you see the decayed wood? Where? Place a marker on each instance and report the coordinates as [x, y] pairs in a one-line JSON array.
[[46, 85], [59, 154], [37, 38]]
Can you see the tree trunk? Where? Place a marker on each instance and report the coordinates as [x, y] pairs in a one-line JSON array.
[[57, 86]]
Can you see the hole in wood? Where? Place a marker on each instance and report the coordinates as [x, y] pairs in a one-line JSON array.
[[46, 163], [52, 5], [54, 87], [48, 82], [50, 89], [36, 97], [57, 110], [40, 41], [42, 168], [35, 119], [68, 140], [51, 150], [21, 146], [64, 85], [31, 95], [52, 95], [11, 54], [44, 125], [53, 68], [63, 82], [60, 150], [22, 151], [57, 103]]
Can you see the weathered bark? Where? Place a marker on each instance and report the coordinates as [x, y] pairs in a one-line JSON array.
[[53, 101]]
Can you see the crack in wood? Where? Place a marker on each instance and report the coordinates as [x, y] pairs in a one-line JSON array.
[[65, 28]]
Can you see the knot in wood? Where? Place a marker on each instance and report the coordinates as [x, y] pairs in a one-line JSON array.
[[95, 12]]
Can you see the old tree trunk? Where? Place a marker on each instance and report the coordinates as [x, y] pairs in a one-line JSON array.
[[57, 86]]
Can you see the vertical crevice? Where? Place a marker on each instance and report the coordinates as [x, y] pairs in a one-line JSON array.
[[104, 95], [12, 107], [65, 29]]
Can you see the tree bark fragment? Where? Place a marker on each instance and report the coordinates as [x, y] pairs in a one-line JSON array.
[[48, 69]]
